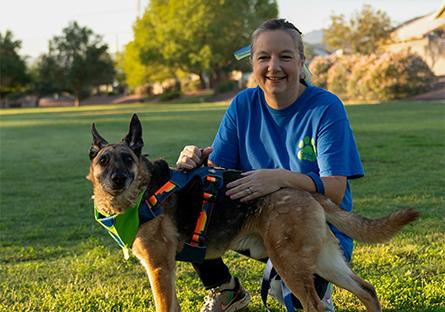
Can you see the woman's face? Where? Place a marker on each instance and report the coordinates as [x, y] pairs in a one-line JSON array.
[[277, 66]]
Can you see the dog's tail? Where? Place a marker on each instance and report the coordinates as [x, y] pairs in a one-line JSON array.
[[363, 229]]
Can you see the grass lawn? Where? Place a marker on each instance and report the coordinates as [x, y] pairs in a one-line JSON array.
[[54, 257]]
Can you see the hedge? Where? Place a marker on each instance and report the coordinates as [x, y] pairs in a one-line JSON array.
[[380, 77]]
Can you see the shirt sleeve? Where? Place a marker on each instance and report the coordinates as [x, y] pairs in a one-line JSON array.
[[337, 153], [225, 145]]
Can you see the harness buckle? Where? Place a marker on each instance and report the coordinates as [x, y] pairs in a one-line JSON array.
[[209, 197]]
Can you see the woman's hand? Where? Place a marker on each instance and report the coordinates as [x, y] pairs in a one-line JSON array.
[[255, 184], [192, 157]]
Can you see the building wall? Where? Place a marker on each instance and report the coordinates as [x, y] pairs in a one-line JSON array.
[[432, 52]]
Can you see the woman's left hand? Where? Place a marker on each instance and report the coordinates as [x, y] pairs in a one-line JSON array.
[[255, 184]]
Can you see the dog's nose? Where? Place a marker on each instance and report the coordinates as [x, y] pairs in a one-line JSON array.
[[118, 179]]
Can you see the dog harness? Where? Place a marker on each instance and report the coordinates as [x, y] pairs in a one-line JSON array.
[[124, 227]]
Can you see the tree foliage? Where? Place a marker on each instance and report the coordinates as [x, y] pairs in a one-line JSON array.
[[138, 74], [46, 76], [13, 72], [76, 61], [196, 36], [363, 33]]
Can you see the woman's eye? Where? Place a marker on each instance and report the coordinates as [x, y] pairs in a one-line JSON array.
[[286, 57]]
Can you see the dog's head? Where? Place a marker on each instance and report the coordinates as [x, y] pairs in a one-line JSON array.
[[114, 168]]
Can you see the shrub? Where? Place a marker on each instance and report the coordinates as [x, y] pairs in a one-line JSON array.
[[190, 84], [399, 75], [227, 85], [339, 75], [319, 68], [169, 95], [358, 85]]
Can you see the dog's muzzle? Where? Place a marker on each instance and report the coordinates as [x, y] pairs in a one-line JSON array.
[[118, 181]]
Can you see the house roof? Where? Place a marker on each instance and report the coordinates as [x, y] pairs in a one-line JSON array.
[[441, 12], [418, 27]]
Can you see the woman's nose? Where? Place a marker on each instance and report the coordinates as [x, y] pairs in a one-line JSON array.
[[274, 64]]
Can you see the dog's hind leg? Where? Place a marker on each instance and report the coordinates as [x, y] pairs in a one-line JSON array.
[[298, 275], [332, 266], [155, 246], [293, 259]]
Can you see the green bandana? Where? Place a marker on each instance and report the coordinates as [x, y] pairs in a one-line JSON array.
[[122, 227]]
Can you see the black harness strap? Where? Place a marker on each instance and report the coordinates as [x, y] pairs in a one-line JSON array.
[[151, 207]]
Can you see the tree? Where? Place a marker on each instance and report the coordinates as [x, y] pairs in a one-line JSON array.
[[198, 36], [46, 76], [138, 74], [363, 34], [13, 72], [309, 52], [81, 60]]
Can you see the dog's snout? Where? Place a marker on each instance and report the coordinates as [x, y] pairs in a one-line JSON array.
[[119, 178]]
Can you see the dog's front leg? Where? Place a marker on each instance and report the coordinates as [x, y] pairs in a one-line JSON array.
[[155, 246]]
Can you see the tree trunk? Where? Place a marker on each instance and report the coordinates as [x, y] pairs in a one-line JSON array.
[[77, 101], [77, 98], [177, 86], [203, 81], [216, 78], [36, 103], [2, 101]]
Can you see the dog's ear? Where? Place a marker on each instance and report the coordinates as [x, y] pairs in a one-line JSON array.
[[98, 142], [134, 136]]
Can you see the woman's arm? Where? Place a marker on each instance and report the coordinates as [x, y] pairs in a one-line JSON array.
[[261, 182]]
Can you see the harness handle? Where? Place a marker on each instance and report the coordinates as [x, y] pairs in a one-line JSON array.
[[205, 161]]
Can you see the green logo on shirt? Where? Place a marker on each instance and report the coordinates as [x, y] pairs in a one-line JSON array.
[[307, 149]]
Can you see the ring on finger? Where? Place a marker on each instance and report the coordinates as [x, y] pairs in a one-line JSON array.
[[250, 190]]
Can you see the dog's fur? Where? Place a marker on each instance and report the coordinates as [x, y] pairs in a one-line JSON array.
[[289, 226]]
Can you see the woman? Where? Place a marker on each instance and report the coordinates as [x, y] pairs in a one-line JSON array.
[[283, 134]]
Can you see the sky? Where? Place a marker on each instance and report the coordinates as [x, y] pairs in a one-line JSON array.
[[36, 22]]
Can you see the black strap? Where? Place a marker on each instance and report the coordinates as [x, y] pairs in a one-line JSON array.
[[269, 273], [195, 249]]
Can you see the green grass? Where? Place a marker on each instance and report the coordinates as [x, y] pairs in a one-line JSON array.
[[54, 257]]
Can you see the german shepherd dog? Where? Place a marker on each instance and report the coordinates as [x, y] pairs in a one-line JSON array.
[[289, 226]]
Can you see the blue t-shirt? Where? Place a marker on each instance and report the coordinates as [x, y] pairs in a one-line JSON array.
[[311, 135]]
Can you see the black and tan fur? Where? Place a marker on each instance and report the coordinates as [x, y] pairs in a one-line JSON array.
[[289, 226]]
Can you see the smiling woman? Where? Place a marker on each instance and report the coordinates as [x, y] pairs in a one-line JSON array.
[[284, 133]]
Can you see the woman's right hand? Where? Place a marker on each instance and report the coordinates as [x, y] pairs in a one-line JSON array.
[[192, 157]]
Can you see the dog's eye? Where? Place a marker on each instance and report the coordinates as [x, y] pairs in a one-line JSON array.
[[127, 158], [103, 160]]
